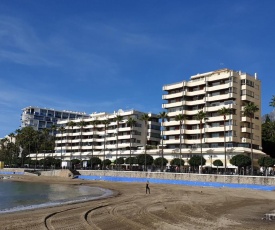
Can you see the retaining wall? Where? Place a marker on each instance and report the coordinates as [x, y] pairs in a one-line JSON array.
[[232, 179], [60, 173]]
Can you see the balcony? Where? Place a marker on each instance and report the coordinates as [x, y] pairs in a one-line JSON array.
[[192, 131], [218, 107], [171, 132], [215, 129], [196, 102], [218, 87], [170, 123], [195, 92], [174, 113], [245, 119], [173, 141], [171, 105], [192, 112], [173, 86], [218, 97], [173, 95], [246, 130]]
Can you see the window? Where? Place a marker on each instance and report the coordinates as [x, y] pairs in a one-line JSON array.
[[213, 135], [247, 92]]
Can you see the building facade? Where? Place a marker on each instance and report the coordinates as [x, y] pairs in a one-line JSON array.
[[41, 118], [210, 92], [107, 140]]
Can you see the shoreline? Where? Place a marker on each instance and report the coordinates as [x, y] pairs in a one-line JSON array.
[[167, 207], [105, 193]]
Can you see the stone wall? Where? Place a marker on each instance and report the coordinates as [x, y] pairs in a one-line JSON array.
[[234, 179], [60, 173]]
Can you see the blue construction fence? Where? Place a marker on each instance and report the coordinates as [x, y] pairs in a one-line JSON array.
[[176, 182], [11, 173]]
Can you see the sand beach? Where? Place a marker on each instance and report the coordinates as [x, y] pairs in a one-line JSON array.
[[167, 207]]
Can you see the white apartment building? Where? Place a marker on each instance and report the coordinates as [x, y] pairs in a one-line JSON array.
[[209, 92], [41, 118], [94, 140]]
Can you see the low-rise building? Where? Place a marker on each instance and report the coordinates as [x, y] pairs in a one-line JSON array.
[[102, 135]]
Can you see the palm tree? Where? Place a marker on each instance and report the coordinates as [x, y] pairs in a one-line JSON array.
[[4, 147], [131, 123], [272, 103], [106, 123], [11, 135], [61, 130], [249, 110], [53, 133], [81, 125], [223, 112], [45, 133], [200, 116], [145, 117], [180, 118], [163, 116], [118, 119], [71, 124], [94, 123]]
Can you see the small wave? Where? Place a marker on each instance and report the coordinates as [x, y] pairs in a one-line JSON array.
[[106, 193]]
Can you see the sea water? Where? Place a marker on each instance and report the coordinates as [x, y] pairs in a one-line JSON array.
[[17, 196]]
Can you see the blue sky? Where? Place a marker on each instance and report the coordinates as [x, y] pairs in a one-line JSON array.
[[99, 55]]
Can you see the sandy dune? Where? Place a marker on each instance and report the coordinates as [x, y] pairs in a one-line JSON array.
[[167, 207]]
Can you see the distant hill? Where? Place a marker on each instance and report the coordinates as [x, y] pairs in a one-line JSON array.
[[271, 116]]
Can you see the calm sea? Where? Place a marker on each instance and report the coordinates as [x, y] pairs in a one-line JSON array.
[[17, 196]]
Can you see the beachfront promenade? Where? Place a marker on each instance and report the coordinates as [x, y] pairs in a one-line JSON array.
[[189, 179]]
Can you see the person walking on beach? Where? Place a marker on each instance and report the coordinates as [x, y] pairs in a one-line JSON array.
[[147, 187]]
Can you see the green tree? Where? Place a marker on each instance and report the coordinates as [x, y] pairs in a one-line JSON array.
[[4, 150], [272, 102], [118, 119], [11, 146], [218, 163], [240, 161], [145, 159], [45, 134], [180, 118], [196, 161], [131, 160], [75, 162], [131, 122], [163, 116], [160, 162], [94, 123], [81, 125], [106, 123], [249, 110], [201, 116], [95, 161], [224, 112], [53, 129], [107, 162], [145, 118], [61, 129], [266, 162], [178, 162], [71, 124], [26, 139], [119, 161], [49, 161]]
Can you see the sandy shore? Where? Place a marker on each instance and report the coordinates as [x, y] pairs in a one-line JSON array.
[[167, 207]]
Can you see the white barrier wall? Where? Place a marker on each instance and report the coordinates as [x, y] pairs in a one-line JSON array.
[[234, 179]]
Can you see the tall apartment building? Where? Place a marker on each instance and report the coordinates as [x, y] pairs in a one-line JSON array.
[[82, 141], [41, 118], [209, 92]]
